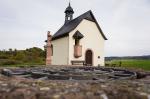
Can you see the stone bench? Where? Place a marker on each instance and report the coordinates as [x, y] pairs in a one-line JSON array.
[[76, 62]]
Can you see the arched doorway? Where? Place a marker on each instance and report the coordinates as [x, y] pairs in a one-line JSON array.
[[89, 58]]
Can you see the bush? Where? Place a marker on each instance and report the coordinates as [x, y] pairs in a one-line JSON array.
[[20, 57], [10, 62], [4, 57]]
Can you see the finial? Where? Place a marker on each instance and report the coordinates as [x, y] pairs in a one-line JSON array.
[[69, 3]]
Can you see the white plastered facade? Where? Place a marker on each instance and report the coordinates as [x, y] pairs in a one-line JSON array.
[[63, 48], [60, 51]]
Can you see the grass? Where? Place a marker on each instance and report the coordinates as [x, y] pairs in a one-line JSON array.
[[131, 63], [14, 63]]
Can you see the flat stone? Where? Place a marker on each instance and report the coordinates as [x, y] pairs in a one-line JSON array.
[[44, 88]]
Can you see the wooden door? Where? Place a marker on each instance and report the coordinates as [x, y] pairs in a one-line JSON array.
[[89, 58]]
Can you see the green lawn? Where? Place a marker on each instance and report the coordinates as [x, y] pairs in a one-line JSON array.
[[130, 63]]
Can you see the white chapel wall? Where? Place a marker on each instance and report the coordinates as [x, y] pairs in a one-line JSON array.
[[60, 51], [92, 40]]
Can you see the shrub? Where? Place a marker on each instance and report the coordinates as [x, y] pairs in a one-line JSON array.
[[10, 62], [4, 57]]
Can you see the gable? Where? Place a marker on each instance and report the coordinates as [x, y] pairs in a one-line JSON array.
[[67, 28], [89, 29]]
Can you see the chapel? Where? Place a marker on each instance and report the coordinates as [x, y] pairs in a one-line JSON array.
[[80, 41]]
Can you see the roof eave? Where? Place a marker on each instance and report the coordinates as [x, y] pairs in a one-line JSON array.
[[98, 26], [61, 36]]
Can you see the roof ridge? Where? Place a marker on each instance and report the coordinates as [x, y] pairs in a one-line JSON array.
[[71, 25], [84, 13], [89, 11]]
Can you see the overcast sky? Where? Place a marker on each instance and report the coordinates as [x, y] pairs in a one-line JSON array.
[[126, 23]]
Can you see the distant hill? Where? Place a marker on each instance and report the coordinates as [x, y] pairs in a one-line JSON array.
[[145, 57]]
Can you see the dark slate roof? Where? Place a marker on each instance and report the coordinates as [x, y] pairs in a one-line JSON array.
[[77, 35], [67, 28]]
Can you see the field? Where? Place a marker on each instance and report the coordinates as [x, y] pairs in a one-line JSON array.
[[130, 63], [36, 56]]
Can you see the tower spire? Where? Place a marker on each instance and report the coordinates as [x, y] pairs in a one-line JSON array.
[[69, 3], [69, 13]]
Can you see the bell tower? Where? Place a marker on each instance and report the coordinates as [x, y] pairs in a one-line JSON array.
[[69, 13]]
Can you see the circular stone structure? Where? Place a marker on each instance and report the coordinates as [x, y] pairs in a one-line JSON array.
[[70, 73]]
